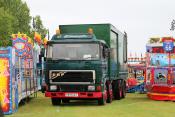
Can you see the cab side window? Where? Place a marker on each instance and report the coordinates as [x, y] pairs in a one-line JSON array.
[[105, 52]]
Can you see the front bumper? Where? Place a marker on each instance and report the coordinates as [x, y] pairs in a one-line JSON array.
[[74, 95]]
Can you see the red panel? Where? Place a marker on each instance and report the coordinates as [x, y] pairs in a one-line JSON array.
[[85, 95], [152, 76], [162, 92], [173, 50], [160, 88], [167, 39], [4, 84], [157, 50], [158, 97]]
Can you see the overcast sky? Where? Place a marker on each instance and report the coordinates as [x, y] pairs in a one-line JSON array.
[[141, 19]]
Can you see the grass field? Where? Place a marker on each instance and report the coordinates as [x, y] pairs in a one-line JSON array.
[[134, 105]]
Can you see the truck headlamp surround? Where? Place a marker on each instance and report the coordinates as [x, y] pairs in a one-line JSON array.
[[53, 87], [91, 88]]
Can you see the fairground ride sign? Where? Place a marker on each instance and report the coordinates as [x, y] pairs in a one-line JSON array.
[[168, 44]]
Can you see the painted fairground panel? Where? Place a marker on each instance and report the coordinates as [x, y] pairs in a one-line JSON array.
[[148, 76], [161, 76], [23, 88], [173, 76], [18, 76], [172, 60], [14, 89], [162, 60], [28, 75], [31, 74], [19, 44], [4, 84], [140, 75], [159, 60], [24, 66], [173, 69], [17, 73], [137, 73]]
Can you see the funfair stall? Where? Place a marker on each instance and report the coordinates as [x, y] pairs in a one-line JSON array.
[[136, 74], [18, 76], [160, 69]]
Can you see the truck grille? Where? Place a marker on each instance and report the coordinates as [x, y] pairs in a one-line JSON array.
[[69, 76], [74, 88]]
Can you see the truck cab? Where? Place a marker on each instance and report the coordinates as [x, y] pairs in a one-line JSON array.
[[78, 67]]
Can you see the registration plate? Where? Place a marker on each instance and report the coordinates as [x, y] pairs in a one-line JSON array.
[[71, 94]]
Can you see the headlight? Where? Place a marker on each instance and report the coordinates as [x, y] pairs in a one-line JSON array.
[[91, 88], [53, 87]]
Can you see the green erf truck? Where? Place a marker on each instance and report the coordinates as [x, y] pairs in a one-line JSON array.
[[86, 61]]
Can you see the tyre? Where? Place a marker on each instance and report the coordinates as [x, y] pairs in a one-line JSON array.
[[109, 94], [117, 89], [43, 89], [124, 89], [65, 100], [56, 101], [102, 101]]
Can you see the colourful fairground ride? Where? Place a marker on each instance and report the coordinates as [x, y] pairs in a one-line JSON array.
[[18, 72], [160, 69], [136, 74]]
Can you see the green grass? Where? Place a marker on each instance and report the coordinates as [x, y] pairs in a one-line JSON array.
[[134, 105]]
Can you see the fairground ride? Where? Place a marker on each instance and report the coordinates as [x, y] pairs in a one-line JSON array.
[[136, 74], [160, 69]]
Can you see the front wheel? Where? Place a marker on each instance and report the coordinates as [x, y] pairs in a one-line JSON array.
[[102, 101], [56, 101], [65, 100]]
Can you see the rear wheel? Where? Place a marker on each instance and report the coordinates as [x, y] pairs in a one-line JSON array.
[[109, 92], [124, 89], [56, 101], [118, 89]]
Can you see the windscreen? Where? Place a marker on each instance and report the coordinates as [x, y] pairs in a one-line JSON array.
[[79, 51]]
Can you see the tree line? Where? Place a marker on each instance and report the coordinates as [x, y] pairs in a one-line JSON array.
[[15, 17]]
